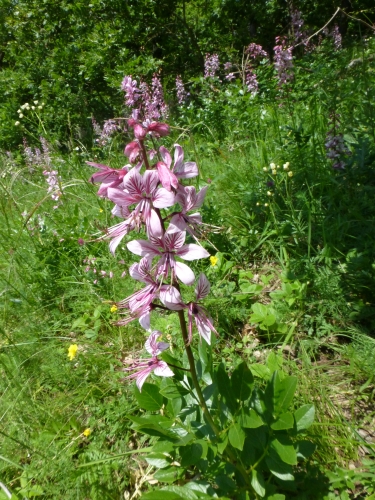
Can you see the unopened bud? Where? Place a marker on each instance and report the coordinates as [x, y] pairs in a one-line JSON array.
[[290, 174]]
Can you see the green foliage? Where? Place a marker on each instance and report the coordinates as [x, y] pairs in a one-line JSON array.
[[255, 423]]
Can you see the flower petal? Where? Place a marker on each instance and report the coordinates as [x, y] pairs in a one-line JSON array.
[[184, 273], [192, 252], [163, 198], [163, 370], [165, 154], [142, 248], [171, 298], [203, 287]]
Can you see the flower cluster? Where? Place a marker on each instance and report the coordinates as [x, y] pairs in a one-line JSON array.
[[283, 60], [26, 107], [145, 101], [180, 91], [146, 193], [297, 23], [255, 51], [211, 65]]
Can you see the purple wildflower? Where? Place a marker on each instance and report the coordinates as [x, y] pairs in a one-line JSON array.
[[251, 82], [180, 91], [132, 93], [255, 51], [143, 367], [211, 65], [283, 60]]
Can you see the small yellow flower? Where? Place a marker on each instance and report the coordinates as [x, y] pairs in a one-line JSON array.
[[72, 351], [100, 210], [114, 308], [274, 172], [269, 193], [213, 260], [257, 203], [32, 107], [266, 204], [273, 166], [17, 123], [290, 174], [286, 165], [265, 169], [20, 115], [40, 107], [87, 432], [36, 102]]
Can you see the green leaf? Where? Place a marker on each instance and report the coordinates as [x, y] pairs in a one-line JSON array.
[[236, 436], [274, 361], [221, 445], [305, 449], [158, 460], [184, 493], [251, 420], [191, 454], [278, 468], [242, 382], [224, 386], [257, 482], [149, 399], [285, 421], [269, 320], [285, 450], [260, 371], [173, 391], [283, 392], [304, 417], [169, 474], [161, 495]]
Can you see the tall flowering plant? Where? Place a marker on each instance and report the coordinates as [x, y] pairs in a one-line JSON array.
[[201, 421]]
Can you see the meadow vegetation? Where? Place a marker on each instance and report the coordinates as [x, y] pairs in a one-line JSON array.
[[289, 167]]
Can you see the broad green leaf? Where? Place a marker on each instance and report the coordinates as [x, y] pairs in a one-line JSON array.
[[251, 420], [173, 391], [242, 381], [203, 354], [278, 468], [224, 386], [225, 483], [285, 421], [236, 436], [158, 460], [169, 474], [149, 399], [274, 361], [222, 444], [260, 309], [260, 371], [191, 454], [269, 320], [257, 482], [161, 495], [304, 417], [285, 450], [283, 392], [162, 447], [305, 449], [184, 493]]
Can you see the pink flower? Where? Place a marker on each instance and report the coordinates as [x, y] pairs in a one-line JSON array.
[[142, 191], [189, 200], [109, 177], [169, 177], [140, 303], [167, 247], [143, 368], [202, 320]]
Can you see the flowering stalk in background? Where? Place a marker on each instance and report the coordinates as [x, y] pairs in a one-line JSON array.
[[283, 57], [211, 65], [246, 70], [181, 93]]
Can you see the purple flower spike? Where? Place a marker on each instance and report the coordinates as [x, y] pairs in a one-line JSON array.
[[143, 368]]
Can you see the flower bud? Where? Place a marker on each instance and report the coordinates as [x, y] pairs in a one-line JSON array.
[[290, 174]]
